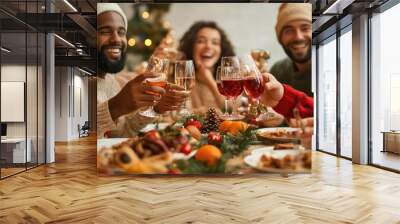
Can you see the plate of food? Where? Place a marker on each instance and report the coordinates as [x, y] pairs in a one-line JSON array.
[[262, 150], [154, 152], [280, 134], [269, 119], [287, 146], [134, 155], [155, 126], [281, 161]]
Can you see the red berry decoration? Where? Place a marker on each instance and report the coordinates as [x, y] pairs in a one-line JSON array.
[[153, 134], [253, 120], [214, 138], [193, 122], [186, 149]]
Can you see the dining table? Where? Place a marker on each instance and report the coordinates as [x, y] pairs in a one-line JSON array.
[[245, 162]]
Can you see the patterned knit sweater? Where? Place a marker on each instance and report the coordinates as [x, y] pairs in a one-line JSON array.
[[125, 126]]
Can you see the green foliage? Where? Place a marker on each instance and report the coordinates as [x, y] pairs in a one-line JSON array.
[[197, 117], [238, 143], [231, 146], [192, 166]]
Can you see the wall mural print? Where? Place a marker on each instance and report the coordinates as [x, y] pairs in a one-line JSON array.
[[204, 88]]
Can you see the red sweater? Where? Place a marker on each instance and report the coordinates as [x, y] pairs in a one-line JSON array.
[[294, 98]]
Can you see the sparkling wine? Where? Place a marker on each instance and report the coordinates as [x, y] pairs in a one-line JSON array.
[[185, 82], [253, 87], [232, 88]]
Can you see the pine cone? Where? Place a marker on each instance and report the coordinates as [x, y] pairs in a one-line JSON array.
[[211, 122]]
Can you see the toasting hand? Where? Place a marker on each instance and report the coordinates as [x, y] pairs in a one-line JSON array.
[[134, 95], [173, 99], [273, 91]]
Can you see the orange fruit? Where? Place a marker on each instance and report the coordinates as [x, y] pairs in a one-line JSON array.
[[237, 126], [209, 154], [224, 126]]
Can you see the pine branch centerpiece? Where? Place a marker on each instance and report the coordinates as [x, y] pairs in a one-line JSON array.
[[220, 142]]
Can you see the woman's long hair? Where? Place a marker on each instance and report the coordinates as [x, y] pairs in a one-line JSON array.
[[186, 44]]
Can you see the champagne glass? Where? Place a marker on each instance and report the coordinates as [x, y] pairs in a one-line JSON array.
[[225, 116], [158, 66], [232, 82], [185, 78]]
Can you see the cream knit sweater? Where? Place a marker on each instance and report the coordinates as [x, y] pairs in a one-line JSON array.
[[125, 126]]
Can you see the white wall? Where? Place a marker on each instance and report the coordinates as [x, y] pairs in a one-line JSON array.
[[34, 125], [248, 25], [12, 73], [79, 117], [68, 83], [61, 103]]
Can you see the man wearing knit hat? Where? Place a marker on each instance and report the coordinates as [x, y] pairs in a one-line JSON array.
[[294, 32], [112, 49], [118, 105]]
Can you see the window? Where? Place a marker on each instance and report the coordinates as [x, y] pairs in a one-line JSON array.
[[346, 93], [22, 75], [327, 96], [385, 88]]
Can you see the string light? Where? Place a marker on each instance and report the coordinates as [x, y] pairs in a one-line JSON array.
[[131, 42], [145, 15], [147, 42]]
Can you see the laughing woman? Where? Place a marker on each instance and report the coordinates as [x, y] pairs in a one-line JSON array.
[[205, 43]]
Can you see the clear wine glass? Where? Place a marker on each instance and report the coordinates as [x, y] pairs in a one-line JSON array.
[[222, 92], [232, 82], [185, 78], [252, 79], [158, 66]]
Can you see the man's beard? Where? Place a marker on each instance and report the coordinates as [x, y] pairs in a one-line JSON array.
[[297, 59], [108, 66]]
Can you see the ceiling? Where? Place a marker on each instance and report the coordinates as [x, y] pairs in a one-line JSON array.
[[22, 20], [331, 15]]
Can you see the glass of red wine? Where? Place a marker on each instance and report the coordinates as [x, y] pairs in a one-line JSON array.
[[232, 84], [221, 91], [253, 83]]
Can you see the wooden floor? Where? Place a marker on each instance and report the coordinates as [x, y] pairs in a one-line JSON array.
[[5, 172], [387, 159], [70, 191], [10, 171]]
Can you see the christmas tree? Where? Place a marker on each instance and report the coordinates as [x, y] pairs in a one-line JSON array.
[[147, 28]]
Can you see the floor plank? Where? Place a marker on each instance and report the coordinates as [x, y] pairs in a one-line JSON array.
[[70, 191], [386, 159]]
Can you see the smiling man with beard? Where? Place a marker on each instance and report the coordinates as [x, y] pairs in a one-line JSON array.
[[294, 32], [118, 105]]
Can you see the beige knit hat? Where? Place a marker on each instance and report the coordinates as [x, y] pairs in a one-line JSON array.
[[292, 11], [112, 7]]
